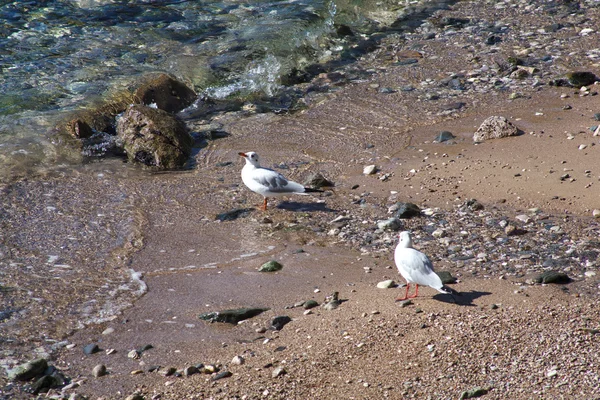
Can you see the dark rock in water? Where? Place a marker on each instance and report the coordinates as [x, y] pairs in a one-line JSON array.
[[234, 214], [444, 136], [581, 78], [166, 92], [344, 30], [317, 181], [154, 137], [221, 375], [91, 349], [232, 316], [407, 210], [310, 304], [270, 266], [470, 394], [279, 322], [553, 277], [27, 371], [80, 129], [446, 277]]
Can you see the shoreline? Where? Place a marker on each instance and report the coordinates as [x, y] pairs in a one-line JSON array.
[[354, 350]]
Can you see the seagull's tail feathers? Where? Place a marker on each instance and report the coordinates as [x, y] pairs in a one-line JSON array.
[[448, 290]]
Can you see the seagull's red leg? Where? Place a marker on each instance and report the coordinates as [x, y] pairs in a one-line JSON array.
[[416, 291], [264, 207], [405, 293]]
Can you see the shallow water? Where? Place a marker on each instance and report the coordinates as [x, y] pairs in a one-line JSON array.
[[60, 56]]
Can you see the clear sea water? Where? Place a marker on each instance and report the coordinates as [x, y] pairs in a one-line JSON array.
[[57, 56]]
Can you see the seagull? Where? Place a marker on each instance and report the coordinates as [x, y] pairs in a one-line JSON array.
[[267, 182], [415, 267]]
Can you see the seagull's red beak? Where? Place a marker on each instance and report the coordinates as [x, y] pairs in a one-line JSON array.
[[242, 154]]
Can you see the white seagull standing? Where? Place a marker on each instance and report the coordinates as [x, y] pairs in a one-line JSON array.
[[416, 268], [267, 182]]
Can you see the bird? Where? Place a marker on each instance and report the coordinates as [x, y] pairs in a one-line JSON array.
[[267, 182], [415, 267]]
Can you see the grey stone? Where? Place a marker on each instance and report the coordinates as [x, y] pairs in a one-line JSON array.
[[91, 349], [386, 284], [99, 370], [407, 210], [308, 304], [553, 277], [476, 392], [233, 214], [221, 375], [444, 136], [317, 181], [392, 224], [446, 277], [232, 316], [279, 322], [494, 128], [277, 372]]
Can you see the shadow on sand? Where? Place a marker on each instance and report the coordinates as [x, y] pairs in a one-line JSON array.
[[462, 298], [300, 206]]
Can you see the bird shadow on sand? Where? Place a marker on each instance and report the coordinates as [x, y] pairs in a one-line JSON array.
[[301, 206], [462, 298]]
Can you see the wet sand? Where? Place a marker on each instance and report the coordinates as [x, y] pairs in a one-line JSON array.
[[369, 347]]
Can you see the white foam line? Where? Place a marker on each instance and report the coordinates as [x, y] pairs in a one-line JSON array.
[[137, 278]]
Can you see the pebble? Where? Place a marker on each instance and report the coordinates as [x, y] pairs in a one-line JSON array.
[[108, 331], [99, 370], [277, 372], [596, 213], [91, 349], [386, 284], [369, 170], [238, 360]]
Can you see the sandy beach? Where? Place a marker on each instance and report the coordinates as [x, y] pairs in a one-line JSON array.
[[507, 335]]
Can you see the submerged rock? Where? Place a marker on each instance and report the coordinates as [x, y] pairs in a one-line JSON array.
[[232, 316], [166, 92], [154, 137]]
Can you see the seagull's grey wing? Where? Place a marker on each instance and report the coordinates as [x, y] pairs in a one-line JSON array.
[[276, 182], [417, 267]]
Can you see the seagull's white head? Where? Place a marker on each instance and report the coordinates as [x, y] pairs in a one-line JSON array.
[[251, 158], [405, 240]]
